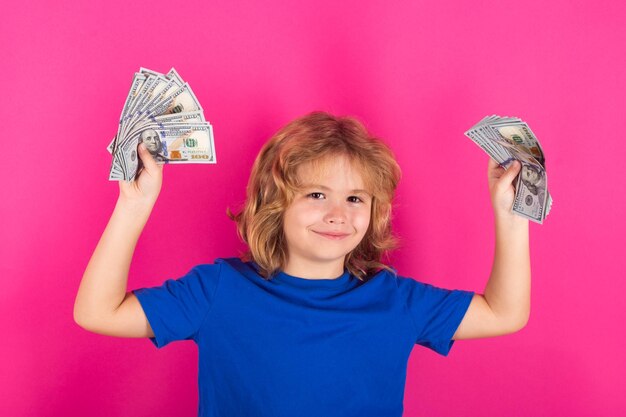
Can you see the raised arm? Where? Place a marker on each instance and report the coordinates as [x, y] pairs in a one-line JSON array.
[[505, 306], [103, 287]]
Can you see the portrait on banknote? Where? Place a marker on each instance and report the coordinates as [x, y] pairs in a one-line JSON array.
[[151, 139], [534, 180]]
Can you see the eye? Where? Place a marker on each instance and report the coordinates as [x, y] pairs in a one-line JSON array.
[[316, 196], [356, 199]]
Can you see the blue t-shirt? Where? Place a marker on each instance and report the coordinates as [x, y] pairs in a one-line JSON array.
[[299, 347]]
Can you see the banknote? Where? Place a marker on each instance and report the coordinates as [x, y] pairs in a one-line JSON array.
[[509, 138], [162, 111], [531, 193]]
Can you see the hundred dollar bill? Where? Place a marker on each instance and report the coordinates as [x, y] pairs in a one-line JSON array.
[[149, 72], [161, 122], [177, 144], [138, 80], [153, 88], [505, 139], [517, 135], [531, 193], [172, 74], [172, 144], [182, 143]]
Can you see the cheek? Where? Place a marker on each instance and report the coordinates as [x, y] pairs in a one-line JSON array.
[[307, 214], [297, 217], [287, 221], [362, 221]]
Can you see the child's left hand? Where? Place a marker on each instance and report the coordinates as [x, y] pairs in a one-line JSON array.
[[501, 188]]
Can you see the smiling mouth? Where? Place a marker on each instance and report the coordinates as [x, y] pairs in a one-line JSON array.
[[332, 236]]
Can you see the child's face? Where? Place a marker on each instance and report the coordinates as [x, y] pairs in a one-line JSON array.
[[328, 218]]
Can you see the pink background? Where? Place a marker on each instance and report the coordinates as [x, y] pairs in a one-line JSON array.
[[418, 74]]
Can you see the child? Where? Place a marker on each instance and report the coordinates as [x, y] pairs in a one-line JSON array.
[[310, 322]]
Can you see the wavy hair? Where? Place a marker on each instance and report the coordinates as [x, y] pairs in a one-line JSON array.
[[274, 183]]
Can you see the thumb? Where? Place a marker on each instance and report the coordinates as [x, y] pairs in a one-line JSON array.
[[509, 175], [146, 158]]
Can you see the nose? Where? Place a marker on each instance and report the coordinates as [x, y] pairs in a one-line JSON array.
[[335, 214]]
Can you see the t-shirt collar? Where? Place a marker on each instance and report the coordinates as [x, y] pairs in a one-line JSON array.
[[313, 283]]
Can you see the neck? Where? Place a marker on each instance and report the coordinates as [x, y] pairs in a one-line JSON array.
[[314, 270]]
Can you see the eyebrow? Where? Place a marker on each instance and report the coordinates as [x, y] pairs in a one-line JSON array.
[[325, 188]]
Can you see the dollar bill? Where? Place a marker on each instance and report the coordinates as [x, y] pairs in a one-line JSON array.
[[189, 118], [162, 111], [138, 81], [175, 144], [509, 138], [531, 193]]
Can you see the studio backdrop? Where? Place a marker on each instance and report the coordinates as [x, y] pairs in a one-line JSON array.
[[418, 74]]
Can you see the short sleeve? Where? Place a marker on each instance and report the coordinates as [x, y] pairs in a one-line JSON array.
[[436, 312], [177, 308]]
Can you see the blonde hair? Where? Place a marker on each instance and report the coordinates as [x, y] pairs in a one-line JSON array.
[[274, 183]]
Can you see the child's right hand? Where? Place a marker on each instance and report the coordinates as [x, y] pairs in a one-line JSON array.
[[146, 187]]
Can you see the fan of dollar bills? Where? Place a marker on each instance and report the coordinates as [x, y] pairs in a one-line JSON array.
[[162, 112], [508, 138]]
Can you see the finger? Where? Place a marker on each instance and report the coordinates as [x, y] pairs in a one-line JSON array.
[[123, 185], [494, 169], [492, 164]]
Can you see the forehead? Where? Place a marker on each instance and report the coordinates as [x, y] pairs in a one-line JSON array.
[[332, 171]]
